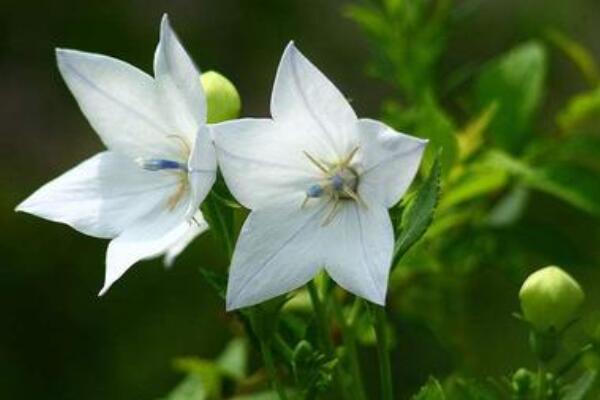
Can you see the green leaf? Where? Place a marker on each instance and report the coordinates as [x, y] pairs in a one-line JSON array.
[[431, 391], [431, 122], [477, 180], [269, 395], [470, 138], [515, 81], [205, 370], [468, 389], [581, 57], [582, 108], [576, 185], [191, 388], [233, 361], [419, 213], [313, 371], [217, 280], [582, 387]]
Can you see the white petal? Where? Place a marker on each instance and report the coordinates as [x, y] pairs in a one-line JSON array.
[[202, 168], [282, 248], [390, 160], [263, 162], [120, 102], [178, 82], [147, 238], [193, 231], [277, 251], [359, 253], [307, 100], [101, 196]]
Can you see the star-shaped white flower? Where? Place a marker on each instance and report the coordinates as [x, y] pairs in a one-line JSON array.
[[319, 182], [145, 190]]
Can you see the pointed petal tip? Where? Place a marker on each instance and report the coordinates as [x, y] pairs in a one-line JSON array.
[[165, 23], [103, 291]]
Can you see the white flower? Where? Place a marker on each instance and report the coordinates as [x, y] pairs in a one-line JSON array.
[[143, 192], [319, 182]]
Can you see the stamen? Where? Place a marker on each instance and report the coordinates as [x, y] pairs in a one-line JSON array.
[[337, 182], [316, 162], [315, 190], [157, 164]]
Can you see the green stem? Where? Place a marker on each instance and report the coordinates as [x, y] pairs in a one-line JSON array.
[[350, 344], [283, 348], [383, 353], [270, 367], [566, 367], [216, 211], [541, 382], [322, 325], [324, 337]]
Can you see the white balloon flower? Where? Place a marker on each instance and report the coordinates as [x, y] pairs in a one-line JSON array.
[[145, 190], [319, 182]]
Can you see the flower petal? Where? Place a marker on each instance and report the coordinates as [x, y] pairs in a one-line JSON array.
[[262, 161], [193, 231], [101, 196], [275, 253], [120, 102], [147, 238], [202, 168], [390, 160], [178, 82], [307, 100], [360, 256]]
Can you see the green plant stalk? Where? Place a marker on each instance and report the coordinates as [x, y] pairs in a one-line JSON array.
[[349, 339], [270, 367], [385, 367], [541, 382], [227, 236], [566, 367], [324, 336]]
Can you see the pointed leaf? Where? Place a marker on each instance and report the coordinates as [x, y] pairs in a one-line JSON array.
[[419, 213], [515, 81]]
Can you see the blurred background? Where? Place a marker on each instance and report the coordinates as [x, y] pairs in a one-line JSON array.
[[58, 340]]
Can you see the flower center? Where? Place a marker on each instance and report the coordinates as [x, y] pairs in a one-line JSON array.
[[163, 164], [339, 183]]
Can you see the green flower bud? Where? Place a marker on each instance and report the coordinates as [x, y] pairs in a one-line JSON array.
[[522, 381], [550, 298], [222, 99]]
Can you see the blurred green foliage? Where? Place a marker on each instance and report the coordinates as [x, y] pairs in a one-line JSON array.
[[508, 94]]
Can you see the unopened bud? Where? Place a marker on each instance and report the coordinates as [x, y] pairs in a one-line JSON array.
[[222, 99], [550, 298]]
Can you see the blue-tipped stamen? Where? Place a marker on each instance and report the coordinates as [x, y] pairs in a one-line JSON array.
[[337, 182], [157, 164], [314, 191]]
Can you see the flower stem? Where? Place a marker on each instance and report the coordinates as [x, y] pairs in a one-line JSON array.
[[541, 382], [574, 360], [270, 367], [350, 344], [325, 338], [385, 368]]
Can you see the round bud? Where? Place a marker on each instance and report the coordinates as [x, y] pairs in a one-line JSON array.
[[222, 99], [550, 298], [522, 381]]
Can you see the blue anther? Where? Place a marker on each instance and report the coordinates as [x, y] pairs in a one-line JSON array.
[[156, 164], [337, 182], [314, 191]]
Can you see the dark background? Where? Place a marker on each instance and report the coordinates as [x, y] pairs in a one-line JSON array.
[[58, 340]]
